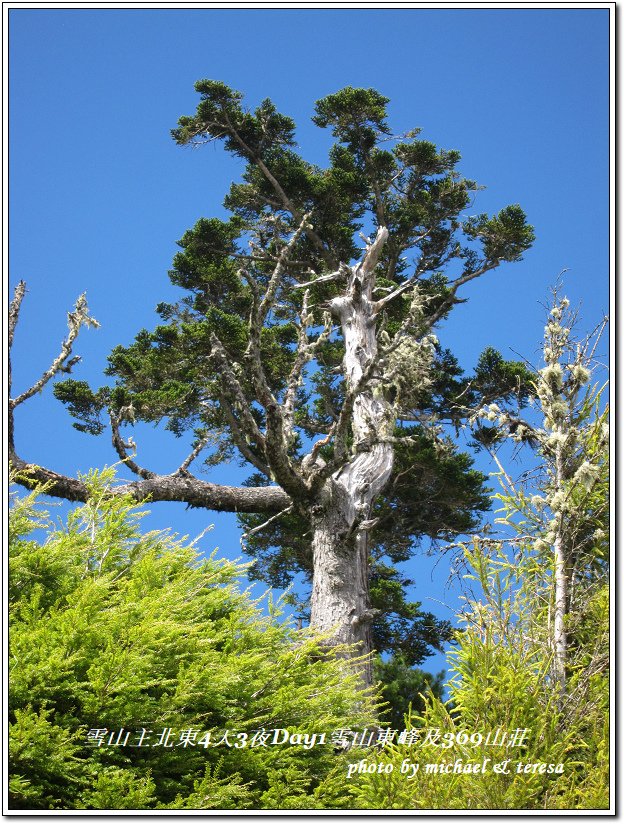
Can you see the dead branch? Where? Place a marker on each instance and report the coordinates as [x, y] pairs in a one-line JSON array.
[[75, 320], [152, 487], [121, 449], [189, 460]]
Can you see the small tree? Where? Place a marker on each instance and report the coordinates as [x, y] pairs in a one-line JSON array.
[[567, 514], [122, 633], [307, 348], [533, 650]]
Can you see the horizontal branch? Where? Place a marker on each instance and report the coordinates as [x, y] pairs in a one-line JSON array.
[[342, 272], [182, 487]]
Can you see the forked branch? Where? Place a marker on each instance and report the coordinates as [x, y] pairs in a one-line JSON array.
[[75, 320], [121, 448], [180, 486]]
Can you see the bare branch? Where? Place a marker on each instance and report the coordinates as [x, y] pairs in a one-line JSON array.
[[276, 277], [340, 428], [305, 352], [366, 268], [14, 308], [253, 284], [596, 337], [260, 527], [273, 442], [508, 481], [240, 440], [380, 304], [79, 317], [182, 488], [121, 449], [189, 460], [453, 291], [343, 269], [231, 388], [310, 461]]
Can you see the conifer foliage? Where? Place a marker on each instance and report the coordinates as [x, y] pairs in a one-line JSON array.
[[116, 632], [305, 347]]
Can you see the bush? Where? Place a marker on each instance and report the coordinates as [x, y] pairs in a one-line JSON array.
[[116, 631]]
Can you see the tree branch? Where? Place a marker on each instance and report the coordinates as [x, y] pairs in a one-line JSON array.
[[339, 430], [231, 388], [239, 438], [324, 278], [79, 317], [182, 488], [189, 460], [454, 287], [276, 277], [305, 352], [121, 449], [14, 308], [365, 269], [176, 487], [287, 203], [260, 527], [380, 304]]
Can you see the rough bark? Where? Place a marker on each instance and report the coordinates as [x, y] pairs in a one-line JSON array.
[[180, 487], [340, 603], [340, 592]]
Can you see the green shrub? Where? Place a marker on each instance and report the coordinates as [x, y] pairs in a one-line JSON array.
[[115, 630]]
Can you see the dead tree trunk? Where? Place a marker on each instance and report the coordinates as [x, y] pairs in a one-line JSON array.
[[340, 602]]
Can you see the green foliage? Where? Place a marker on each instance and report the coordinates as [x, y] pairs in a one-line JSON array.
[[250, 270], [505, 236], [83, 404], [403, 688], [421, 198], [358, 117], [502, 680], [401, 627], [112, 628], [504, 664]]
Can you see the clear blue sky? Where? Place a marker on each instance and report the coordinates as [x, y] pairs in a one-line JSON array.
[[99, 192]]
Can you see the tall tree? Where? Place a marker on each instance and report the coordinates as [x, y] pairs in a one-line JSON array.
[[310, 353]]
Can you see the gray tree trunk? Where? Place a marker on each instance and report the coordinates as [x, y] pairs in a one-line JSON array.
[[340, 603]]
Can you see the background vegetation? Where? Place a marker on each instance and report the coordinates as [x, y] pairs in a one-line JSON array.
[[112, 628]]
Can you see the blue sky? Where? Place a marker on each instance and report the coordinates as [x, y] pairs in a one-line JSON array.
[[99, 192]]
